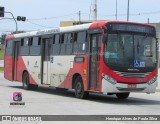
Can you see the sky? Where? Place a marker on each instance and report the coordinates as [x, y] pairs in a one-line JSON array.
[[44, 14]]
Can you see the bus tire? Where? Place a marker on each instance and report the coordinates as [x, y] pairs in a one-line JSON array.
[[26, 83], [25, 79], [79, 89], [33, 87], [122, 95]]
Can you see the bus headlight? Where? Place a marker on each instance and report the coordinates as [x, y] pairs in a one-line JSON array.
[[152, 80], [109, 79]]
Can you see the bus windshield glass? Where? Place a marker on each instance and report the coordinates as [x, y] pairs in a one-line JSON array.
[[129, 50]]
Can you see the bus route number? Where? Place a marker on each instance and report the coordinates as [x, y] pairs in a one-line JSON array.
[[52, 59]]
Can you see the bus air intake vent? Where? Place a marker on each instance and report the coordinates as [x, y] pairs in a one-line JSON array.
[[132, 75]]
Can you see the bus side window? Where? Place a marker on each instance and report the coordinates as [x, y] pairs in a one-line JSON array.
[[75, 37], [22, 42], [30, 41], [9, 48], [26, 41], [56, 45], [24, 47], [39, 40], [69, 45], [80, 45], [35, 48], [64, 38]]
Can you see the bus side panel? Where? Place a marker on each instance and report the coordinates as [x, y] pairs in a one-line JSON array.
[[8, 68], [79, 68], [27, 63], [20, 68], [59, 68]]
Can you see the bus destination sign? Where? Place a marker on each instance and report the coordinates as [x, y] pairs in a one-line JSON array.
[[132, 28]]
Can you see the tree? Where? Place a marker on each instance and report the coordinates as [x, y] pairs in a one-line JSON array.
[[2, 38]]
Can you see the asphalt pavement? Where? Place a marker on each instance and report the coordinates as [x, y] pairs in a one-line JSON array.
[[48, 101]]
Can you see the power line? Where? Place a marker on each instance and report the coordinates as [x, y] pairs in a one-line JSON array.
[[87, 14], [6, 21], [39, 24], [55, 17], [135, 14]]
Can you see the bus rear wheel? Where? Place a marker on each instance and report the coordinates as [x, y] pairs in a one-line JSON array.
[[79, 89], [122, 95], [26, 83]]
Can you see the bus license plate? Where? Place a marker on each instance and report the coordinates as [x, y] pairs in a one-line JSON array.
[[132, 86]]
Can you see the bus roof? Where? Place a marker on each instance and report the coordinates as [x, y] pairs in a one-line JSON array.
[[81, 27]]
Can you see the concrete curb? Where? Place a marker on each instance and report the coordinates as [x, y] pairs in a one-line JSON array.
[[1, 63], [157, 90]]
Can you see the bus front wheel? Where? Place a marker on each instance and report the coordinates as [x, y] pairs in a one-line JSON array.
[[122, 95], [79, 89]]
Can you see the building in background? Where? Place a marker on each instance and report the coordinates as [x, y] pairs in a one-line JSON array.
[[71, 23]]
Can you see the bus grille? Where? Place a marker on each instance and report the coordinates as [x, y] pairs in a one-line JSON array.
[[132, 75]]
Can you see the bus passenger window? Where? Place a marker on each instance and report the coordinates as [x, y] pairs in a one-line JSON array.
[[65, 38], [62, 38], [30, 41], [9, 48], [81, 37], [39, 40], [53, 39], [25, 42], [80, 44], [22, 42], [69, 44], [75, 37], [35, 48], [63, 44], [57, 39], [24, 47], [56, 45]]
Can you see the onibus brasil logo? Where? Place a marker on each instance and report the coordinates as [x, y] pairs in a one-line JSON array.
[[17, 99]]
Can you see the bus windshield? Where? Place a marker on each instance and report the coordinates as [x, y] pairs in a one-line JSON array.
[[129, 50]]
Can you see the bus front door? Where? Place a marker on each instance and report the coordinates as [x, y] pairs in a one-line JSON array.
[[45, 61], [15, 60], [94, 62]]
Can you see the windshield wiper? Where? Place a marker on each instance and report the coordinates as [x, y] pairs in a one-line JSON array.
[[121, 43], [138, 47]]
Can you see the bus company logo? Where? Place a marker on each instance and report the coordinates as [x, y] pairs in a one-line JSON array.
[[17, 96]]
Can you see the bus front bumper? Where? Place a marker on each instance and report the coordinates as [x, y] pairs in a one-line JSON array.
[[111, 86]]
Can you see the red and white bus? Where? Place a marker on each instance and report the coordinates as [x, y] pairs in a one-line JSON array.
[[107, 57]]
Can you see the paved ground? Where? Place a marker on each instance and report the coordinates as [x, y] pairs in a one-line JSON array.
[[158, 80], [46, 101]]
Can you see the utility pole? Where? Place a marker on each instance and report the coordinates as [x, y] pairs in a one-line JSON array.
[[79, 14], [94, 10], [148, 20], [116, 9], [128, 12]]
